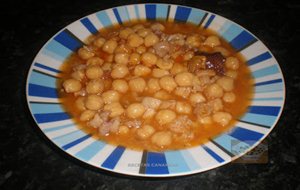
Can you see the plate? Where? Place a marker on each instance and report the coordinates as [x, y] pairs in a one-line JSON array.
[[248, 132]]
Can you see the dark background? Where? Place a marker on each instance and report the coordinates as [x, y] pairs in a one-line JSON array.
[[29, 161]]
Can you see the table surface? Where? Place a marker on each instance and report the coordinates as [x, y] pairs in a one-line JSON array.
[[29, 161]]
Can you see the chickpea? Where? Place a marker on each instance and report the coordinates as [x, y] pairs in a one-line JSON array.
[[148, 59], [188, 56], [157, 27], [119, 71], [231, 73], [143, 32], [135, 110], [134, 59], [212, 41], [184, 79], [137, 84], [99, 42], [141, 49], [78, 75], [115, 109], [141, 70], [123, 130], [162, 138], [95, 86], [183, 108], [178, 68], [106, 66], [150, 102], [93, 72], [145, 132], [123, 48], [213, 91], [94, 102], [232, 63], [109, 46], [110, 96], [153, 85], [85, 53], [226, 83], [87, 115], [72, 85], [158, 73], [151, 39], [164, 64], [121, 58], [222, 50], [165, 116], [120, 85], [193, 40], [229, 97], [216, 104], [183, 92], [167, 83], [94, 61], [137, 27], [125, 33], [196, 98], [162, 95], [149, 113], [135, 40], [79, 103], [222, 118], [206, 120]]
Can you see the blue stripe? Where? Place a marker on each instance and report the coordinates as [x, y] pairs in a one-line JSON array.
[[176, 162], [77, 141], [259, 58], [123, 12], [265, 110], [213, 154], [45, 108], [50, 117], [103, 18], [273, 69], [196, 16], [91, 150], [150, 12], [232, 31], [67, 40], [46, 67], [156, 163], [58, 128], [42, 79], [113, 158], [242, 40], [69, 137], [211, 18], [161, 11], [265, 120], [268, 82], [117, 15], [89, 25], [182, 13], [56, 50], [42, 91], [245, 135]]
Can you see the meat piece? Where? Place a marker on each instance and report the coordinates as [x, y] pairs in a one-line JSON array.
[[214, 61], [133, 123], [150, 102], [162, 48], [203, 109], [181, 125], [196, 64], [96, 122]]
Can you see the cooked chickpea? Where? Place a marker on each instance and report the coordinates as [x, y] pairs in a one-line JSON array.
[[188, 55], [95, 86], [232, 63], [123, 130], [137, 84], [134, 59], [162, 139], [229, 97], [178, 68], [145, 132], [99, 42], [183, 92], [214, 91], [197, 98], [110, 46], [212, 41], [162, 95], [151, 39], [78, 75], [158, 73], [120, 85], [223, 118], [123, 48], [165, 116], [222, 50], [141, 49], [205, 120], [216, 104], [94, 72], [87, 115], [148, 59], [106, 66], [79, 103], [125, 33], [153, 85], [115, 109], [135, 40], [168, 83], [193, 41], [72, 85], [119, 71], [231, 73], [85, 53], [184, 79], [143, 32], [94, 61], [122, 58], [135, 110], [137, 27], [183, 108], [164, 64], [157, 27], [226, 83], [141, 70], [149, 114], [93, 102], [110, 96]]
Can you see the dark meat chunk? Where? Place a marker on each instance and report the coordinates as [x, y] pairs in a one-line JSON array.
[[214, 61], [196, 64]]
